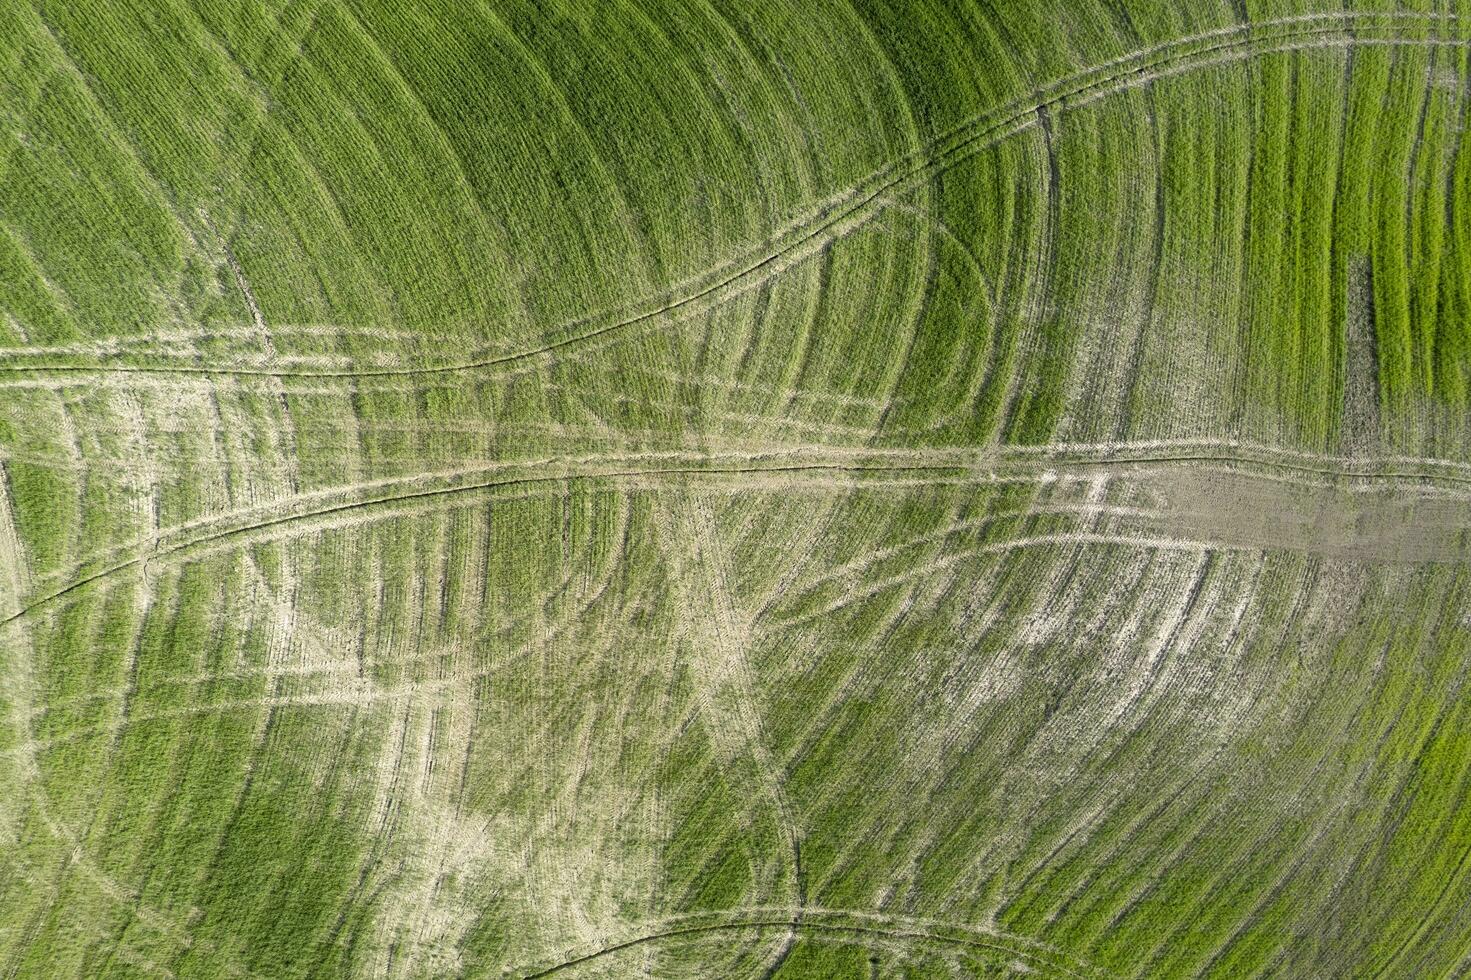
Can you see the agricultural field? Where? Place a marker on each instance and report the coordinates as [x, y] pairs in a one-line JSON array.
[[712, 489]]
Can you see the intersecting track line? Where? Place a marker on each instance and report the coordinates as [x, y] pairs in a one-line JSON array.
[[244, 531], [880, 926], [1063, 453], [962, 466], [827, 225], [849, 209]]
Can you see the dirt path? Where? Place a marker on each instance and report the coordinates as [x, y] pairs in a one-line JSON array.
[[1427, 521]]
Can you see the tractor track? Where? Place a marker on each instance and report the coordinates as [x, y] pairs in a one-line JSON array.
[[846, 211], [251, 526]]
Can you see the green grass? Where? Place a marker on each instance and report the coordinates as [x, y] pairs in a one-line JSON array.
[[857, 489]]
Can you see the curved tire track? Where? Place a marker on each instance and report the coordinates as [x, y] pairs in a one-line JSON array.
[[244, 528], [876, 925], [848, 210]]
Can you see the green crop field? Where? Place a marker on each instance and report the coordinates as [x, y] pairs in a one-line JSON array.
[[762, 489]]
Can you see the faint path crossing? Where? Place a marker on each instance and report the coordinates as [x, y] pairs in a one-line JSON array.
[[785, 467], [848, 210], [835, 218], [720, 643], [876, 926]]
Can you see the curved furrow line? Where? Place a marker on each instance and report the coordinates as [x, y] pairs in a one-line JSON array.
[[366, 491], [1010, 458], [1325, 471], [1308, 608], [1148, 595], [342, 668], [968, 466], [1066, 847], [400, 487], [853, 571], [923, 257], [848, 210], [837, 922], [1424, 922], [167, 924], [257, 532], [1454, 879], [1075, 453], [1187, 612], [1440, 603], [1057, 539], [355, 692], [721, 641]]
